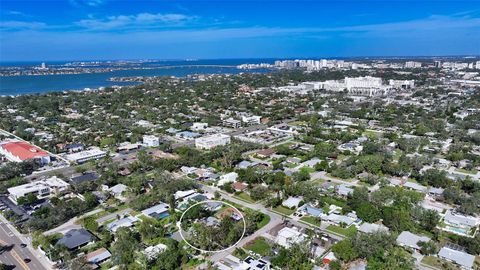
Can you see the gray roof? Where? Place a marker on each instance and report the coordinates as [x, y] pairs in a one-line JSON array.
[[459, 257], [75, 238], [372, 227], [460, 220], [409, 239]]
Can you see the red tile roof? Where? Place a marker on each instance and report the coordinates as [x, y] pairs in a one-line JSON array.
[[24, 150]]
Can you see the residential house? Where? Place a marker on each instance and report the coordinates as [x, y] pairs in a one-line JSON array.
[[288, 236], [372, 227], [98, 256], [152, 251], [157, 211], [462, 259], [410, 240], [125, 222], [76, 238], [292, 202], [228, 178]]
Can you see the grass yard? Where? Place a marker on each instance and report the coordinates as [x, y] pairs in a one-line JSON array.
[[312, 220], [283, 210], [438, 263], [350, 231], [466, 171], [244, 197], [330, 200], [263, 222], [259, 246]]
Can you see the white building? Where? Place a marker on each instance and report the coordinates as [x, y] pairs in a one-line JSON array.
[[408, 239], [151, 141], [413, 64], [209, 142], [228, 178], [81, 157], [463, 259], [197, 126], [366, 86], [152, 251], [41, 188], [402, 84], [251, 120], [233, 123], [288, 236]]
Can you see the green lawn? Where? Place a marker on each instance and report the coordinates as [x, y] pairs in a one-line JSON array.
[[350, 231], [337, 202], [259, 246], [283, 210], [438, 263], [263, 222], [467, 171], [244, 197], [311, 220]]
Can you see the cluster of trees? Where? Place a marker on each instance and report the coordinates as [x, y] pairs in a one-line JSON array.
[[379, 249], [48, 217], [396, 207]]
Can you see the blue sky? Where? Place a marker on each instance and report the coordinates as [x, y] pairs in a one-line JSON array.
[[162, 29]]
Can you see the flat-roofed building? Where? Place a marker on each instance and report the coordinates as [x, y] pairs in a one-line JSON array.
[[209, 142], [41, 188], [83, 156], [151, 141]]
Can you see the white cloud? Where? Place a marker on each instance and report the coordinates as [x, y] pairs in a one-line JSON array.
[[21, 25], [141, 20]]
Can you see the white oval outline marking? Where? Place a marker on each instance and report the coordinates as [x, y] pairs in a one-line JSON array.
[[179, 224]]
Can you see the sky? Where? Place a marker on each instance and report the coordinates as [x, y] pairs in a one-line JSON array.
[[166, 29]]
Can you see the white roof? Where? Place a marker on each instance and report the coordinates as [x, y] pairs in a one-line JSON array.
[[409, 239], [340, 219], [462, 258], [118, 189], [157, 209], [85, 154], [183, 193], [372, 227], [153, 251], [124, 222], [292, 202], [50, 183]]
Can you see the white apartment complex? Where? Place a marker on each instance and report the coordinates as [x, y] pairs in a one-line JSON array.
[[209, 142]]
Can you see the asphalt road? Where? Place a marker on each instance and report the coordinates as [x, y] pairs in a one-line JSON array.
[[17, 254]]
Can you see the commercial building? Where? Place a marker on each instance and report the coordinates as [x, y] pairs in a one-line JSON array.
[[209, 142], [251, 120], [19, 151], [402, 84], [233, 123], [86, 155], [41, 188]]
